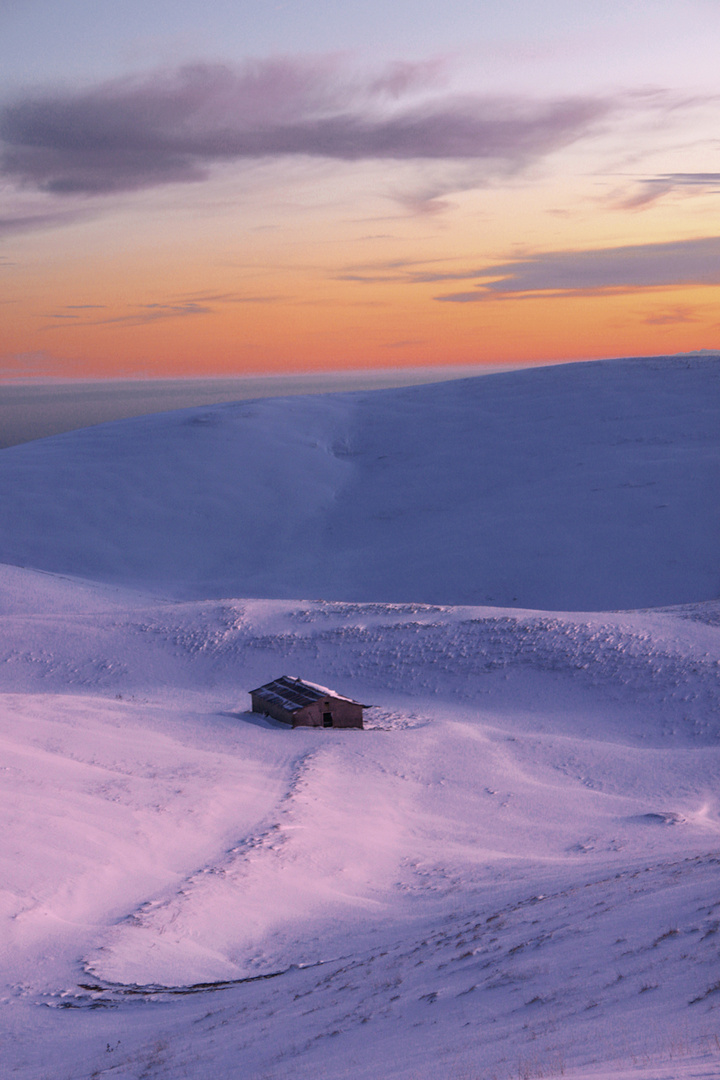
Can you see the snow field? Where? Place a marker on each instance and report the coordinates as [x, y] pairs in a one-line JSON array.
[[511, 873], [512, 868]]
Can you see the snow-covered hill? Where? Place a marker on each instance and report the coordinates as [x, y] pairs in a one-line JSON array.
[[511, 873], [577, 487]]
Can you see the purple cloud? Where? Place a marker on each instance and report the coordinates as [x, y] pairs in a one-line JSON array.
[[26, 365], [616, 269], [147, 313], [23, 222], [172, 127], [655, 187], [680, 313], [141, 314]]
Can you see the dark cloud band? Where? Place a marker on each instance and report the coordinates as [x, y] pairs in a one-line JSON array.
[[656, 187], [616, 269], [172, 127]]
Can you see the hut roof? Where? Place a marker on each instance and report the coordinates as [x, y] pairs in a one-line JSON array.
[[294, 694]]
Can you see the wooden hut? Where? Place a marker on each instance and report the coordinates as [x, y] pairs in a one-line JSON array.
[[304, 704]]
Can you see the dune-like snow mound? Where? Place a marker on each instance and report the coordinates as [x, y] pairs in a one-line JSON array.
[[578, 487]]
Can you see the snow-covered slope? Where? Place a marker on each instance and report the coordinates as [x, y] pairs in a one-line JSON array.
[[577, 487], [513, 868], [511, 873]]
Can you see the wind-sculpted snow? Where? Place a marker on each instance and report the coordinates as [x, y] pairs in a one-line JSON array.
[[666, 660], [578, 487], [553, 966]]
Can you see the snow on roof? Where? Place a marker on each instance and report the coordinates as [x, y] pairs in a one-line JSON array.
[[294, 693]]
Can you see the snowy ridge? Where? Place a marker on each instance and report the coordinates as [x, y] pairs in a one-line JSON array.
[[578, 487]]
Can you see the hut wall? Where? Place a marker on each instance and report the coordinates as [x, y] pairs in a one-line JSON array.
[[345, 714]]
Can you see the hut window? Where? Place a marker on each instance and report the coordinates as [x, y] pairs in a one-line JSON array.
[[327, 719]]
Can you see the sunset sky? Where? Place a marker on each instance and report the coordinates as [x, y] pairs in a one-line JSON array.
[[234, 187]]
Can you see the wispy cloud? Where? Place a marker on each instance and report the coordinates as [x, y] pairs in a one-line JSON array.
[[26, 365], [149, 313], [16, 223], [402, 270], [142, 314], [656, 187], [234, 298], [679, 313], [632, 268], [172, 127]]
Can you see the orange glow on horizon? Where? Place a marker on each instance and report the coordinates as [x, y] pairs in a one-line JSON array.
[[393, 326], [215, 294]]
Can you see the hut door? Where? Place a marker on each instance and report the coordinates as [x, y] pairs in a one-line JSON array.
[[327, 719]]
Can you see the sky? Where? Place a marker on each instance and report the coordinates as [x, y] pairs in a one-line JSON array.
[[234, 187]]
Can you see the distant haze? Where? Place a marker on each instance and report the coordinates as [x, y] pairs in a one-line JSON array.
[[34, 410]]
